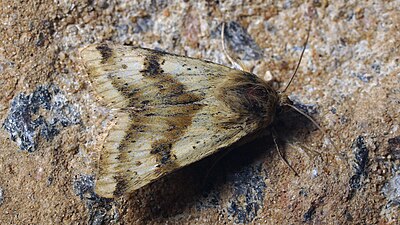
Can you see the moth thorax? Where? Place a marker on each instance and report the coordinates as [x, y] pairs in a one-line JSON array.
[[261, 100], [250, 96]]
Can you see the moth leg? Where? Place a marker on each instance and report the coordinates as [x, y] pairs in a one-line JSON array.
[[236, 63], [280, 154], [310, 152]]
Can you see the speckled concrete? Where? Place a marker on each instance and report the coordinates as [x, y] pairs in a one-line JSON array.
[[348, 81]]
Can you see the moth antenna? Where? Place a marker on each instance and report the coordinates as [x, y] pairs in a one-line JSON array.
[[235, 63], [315, 123], [301, 57], [280, 154]]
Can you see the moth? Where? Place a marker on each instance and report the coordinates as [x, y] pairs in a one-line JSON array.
[[170, 111]]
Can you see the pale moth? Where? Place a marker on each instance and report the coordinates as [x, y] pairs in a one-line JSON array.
[[170, 111]]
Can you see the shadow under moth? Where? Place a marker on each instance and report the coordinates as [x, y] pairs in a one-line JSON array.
[[170, 111]]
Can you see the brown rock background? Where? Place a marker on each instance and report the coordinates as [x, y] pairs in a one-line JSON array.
[[348, 81]]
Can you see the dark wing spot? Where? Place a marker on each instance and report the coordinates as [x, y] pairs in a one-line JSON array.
[[105, 51], [145, 102], [163, 151], [121, 186], [152, 66]]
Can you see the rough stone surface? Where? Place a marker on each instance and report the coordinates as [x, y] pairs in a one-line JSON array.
[[1, 196], [26, 121], [348, 81], [100, 209]]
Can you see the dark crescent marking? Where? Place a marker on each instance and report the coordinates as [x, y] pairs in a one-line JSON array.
[[105, 51]]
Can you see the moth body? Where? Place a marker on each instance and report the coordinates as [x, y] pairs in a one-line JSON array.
[[170, 111]]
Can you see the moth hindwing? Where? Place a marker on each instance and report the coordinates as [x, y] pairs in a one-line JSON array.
[[169, 111]]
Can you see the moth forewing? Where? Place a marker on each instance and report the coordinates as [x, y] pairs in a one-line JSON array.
[[169, 111]]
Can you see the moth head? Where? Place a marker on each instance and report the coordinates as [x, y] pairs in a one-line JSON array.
[[283, 102]]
